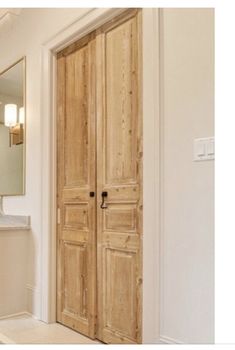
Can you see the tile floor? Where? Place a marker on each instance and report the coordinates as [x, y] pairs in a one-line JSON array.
[[26, 330]]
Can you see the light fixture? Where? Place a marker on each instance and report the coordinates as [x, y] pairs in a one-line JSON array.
[[21, 115], [10, 115], [16, 131]]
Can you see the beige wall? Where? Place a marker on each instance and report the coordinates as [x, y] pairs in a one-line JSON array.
[[187, 237]]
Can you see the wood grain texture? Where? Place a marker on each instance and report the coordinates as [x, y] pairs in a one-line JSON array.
[[76, 233], [119, 172], [99, 144]]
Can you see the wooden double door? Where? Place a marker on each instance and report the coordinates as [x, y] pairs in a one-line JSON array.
[[99, 182]]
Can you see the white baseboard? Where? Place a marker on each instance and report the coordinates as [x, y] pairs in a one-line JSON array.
[[18, 314], [167, 340], [33, 298], [22, 313], [30, 315]]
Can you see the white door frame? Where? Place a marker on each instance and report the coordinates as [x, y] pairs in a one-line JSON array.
[[88, 21]]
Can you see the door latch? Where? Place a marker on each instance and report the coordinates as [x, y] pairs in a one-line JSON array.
[[104, 195]]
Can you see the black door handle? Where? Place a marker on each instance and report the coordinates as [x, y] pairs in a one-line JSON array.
[[104, 195]]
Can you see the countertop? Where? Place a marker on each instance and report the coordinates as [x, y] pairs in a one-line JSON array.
[[14, 222]]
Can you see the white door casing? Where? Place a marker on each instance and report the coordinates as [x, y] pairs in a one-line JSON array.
[[87, 22]]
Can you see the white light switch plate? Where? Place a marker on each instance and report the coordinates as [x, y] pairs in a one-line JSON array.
[[204, 149]]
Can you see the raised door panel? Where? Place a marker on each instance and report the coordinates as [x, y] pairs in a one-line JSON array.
[[75, 289], [76, 232], [120, 217], [119, 173], [120, 296], [76, 124], [120, 85], [76, 216]]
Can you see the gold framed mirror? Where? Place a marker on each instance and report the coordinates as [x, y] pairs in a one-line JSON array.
[[12, 129]]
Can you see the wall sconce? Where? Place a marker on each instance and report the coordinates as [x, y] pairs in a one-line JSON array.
[[21, 115], [16, 130], [10, 115]]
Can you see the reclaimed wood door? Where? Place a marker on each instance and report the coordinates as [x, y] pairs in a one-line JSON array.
[[99, 182], [76, 187], [119, 179]]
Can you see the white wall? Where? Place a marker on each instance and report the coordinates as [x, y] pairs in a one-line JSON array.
[[24, 37], [187, 237]]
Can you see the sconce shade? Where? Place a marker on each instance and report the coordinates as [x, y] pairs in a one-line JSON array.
[[21, 115], [10, 115]]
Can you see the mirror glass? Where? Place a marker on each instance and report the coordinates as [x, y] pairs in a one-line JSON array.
[[12, 130]]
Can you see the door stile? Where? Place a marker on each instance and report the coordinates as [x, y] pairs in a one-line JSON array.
[[119, 136], [76, 229]]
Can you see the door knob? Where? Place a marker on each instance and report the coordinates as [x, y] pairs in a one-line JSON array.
[[104, 195]]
